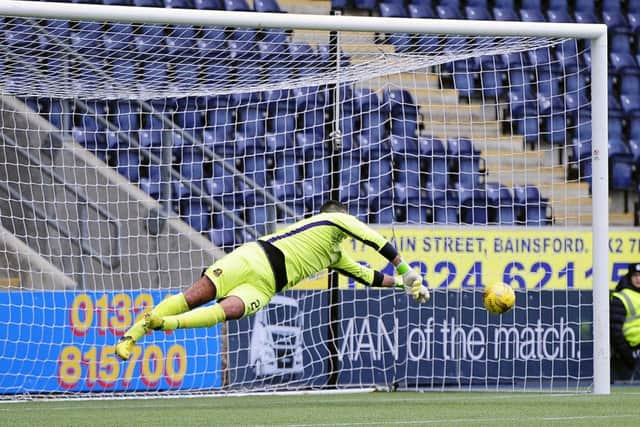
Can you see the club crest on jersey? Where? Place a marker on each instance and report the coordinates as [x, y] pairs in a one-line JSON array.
[[217, 272]]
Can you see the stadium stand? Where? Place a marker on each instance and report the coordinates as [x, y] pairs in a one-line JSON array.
[[410, 171]]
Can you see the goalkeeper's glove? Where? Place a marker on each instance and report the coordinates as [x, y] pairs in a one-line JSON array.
[[412, 283]]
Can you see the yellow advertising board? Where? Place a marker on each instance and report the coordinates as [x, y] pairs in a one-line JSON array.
[[455, 258]]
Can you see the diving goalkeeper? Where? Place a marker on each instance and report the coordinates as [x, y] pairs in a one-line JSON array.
[[245, 280]]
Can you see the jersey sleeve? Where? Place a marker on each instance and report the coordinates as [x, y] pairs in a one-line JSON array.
[[360, 273], [362, 232]]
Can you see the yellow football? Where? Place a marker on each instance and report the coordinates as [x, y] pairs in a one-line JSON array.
[[499, 298]]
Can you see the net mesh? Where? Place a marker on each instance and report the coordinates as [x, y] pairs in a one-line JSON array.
[[135, 154]]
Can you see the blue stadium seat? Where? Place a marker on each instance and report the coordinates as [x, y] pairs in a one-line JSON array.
[[473, 206], [630, 103], [116, 2], [532, 15], [616, 125], [313, 193], [181, 41], [222, 234], [208, 4], [492, 82], [86, 38], [500, 204], [125, 114], [634, 21], [178, 4], [531, 4], [464, 78], [448, 12], [584, 5], [621, 166], [581, 146], [585, 17], [576, 90], [150, 40], [423, 11], [412, 203], [521, 94], [152, 183], [558, 5], [392, 10], [614, 19], [128, 163], [567, 56], [212, 42], [21, 33], [188, 115], [281, 134], [477, 3], [270, 6], [633, 124], [629, 82], [192, 165], [259, 217], [478, 13], [372, 115], [255, 167], [549, 91], [620, 40], [89, 131], [148, 3], [504, 3], [237, 5], [541, 58], [465, 163], [445, 205], [434, 156], [559, 15], [219, 130], [404, 112], [505, 14], [57, 31], [350, 172], [531, 207], [242, 45], [368, 5], [250, 122]]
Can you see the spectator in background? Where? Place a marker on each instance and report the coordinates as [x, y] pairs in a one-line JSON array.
[[624, 322]]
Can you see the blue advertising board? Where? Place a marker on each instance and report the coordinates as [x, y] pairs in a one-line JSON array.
[[64, 342], [386, 339]]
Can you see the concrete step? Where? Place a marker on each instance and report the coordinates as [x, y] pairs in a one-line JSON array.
[[510, 176], [515, 160], [473, 130], [618, 219], [501, 143], [457, 112], [314, 7]]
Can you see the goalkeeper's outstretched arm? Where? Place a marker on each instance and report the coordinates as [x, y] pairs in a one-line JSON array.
[[409, 280]]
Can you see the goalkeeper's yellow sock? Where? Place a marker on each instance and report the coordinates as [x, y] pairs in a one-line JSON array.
[[199, 318], [173, 304]]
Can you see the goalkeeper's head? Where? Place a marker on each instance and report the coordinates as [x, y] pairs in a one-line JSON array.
[[333, 206]]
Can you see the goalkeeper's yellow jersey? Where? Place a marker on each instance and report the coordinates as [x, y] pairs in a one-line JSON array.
[[313, 244]]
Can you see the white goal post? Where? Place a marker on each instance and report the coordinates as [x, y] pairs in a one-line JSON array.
[[183, 251]]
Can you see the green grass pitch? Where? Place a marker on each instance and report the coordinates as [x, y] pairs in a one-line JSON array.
[[621, 408]]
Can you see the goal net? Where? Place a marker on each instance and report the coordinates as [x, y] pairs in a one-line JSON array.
[[138, 148]]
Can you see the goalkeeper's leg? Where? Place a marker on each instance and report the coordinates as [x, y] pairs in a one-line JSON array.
[[200, 292], [243, 300]]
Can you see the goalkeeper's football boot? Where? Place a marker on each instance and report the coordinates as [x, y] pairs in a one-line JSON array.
[[153, 322], [125, 347]]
